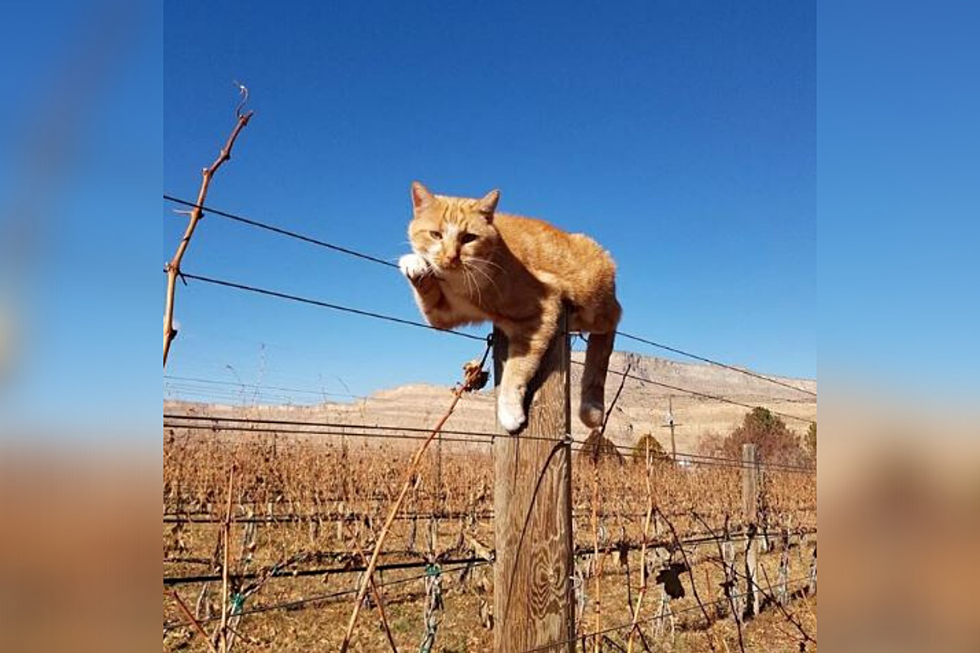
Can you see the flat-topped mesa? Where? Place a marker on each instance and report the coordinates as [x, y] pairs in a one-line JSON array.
[[642, 406]]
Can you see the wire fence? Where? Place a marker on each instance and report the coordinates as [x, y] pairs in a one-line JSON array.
[[319, 598], [303, 432], [422, 325], [380, 261], [249, 425]]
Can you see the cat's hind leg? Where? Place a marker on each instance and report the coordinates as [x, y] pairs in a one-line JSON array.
[[600, 318], [592, 408]]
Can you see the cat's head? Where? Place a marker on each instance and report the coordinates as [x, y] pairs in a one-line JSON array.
[[450, 232]]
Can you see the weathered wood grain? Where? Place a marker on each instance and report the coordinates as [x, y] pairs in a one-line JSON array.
[[533, 591]]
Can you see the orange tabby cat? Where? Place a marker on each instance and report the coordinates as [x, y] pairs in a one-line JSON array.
[[471, 264]]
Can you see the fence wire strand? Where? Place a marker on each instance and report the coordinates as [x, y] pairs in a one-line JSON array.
[[323, 304], [339, 429], [195, 423], [380, 261]]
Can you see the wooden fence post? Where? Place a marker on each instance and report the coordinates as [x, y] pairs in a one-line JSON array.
[[750, 515], [534, 603]]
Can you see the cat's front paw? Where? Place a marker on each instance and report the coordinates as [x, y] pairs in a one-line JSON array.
[[413, 266], [510, 412]]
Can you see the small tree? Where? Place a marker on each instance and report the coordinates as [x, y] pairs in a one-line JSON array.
[[711, 443], [774, 442], [600, 448], [649, 445]]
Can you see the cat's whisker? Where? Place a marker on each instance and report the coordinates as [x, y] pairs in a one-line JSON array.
[[479, 290], [486, 261], [475, 265], [467, 274], [493, 282], [471, 284]]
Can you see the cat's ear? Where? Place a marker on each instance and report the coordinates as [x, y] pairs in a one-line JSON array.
[[488, 204], [420, 195]]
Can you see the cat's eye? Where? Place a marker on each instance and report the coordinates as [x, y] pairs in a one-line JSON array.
[[436, 234], [467, 238]]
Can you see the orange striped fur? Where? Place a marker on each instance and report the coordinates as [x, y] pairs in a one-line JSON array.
[[472, 264]]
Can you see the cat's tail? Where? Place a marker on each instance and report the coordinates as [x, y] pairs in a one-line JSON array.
[[592, 409]]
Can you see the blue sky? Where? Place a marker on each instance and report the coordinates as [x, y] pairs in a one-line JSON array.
[[80, 282], [682, 136]]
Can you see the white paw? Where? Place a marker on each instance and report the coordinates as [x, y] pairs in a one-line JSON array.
[[413, 266], [510, 413]]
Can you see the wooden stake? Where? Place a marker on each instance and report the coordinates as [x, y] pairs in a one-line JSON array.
[[671, 425], [534, 602], [226, 530], [750, 515], [194, 622], [474, 378]]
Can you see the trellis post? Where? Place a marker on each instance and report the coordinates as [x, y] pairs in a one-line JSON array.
[[534, 603]]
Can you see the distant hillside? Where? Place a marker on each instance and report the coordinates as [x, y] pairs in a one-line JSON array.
[[642, 405]]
